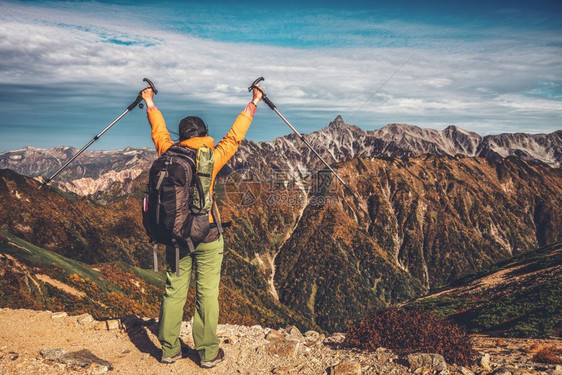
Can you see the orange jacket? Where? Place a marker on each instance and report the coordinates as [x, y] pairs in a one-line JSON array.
[[222, 152]]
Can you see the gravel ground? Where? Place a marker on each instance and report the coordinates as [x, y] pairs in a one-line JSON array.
[[27, 340]]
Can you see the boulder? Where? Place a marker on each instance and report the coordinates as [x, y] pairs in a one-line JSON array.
[[427, 361], [85, 319], [312, 335], [283, 348], [521, 371], [53, 354], [113, 324], [465, 371], [108, 325], [485, 362], [283, 370], [81, 358], [346, 368], [336, 338], [274, 335], [293, 332], [503, 371]]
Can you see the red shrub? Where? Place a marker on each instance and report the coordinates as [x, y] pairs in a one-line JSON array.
[[409, 331], [549, 354]]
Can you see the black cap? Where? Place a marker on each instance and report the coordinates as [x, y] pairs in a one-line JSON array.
[[192, 126]]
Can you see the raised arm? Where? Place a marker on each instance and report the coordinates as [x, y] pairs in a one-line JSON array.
[[160, 135], [229, 144]]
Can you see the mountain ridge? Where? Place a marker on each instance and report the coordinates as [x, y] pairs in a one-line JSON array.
[[97, 170], [340, 142]]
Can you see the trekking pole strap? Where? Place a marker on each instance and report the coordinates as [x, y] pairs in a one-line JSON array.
[[190, 245], [177, 248], [155, 256]]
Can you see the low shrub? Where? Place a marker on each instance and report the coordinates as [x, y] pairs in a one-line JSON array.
[[549, 354], [413, 330], [534, 348]]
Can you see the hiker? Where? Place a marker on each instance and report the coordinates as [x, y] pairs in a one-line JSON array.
[[207, 256]]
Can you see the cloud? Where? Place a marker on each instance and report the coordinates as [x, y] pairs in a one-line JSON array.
[[495, 77]]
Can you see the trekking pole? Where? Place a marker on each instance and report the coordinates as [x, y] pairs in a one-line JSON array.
[[129, 108], [274, 108]]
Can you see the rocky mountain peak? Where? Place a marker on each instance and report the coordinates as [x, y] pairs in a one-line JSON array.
[[338, 121], [338, 128], [456, 129], [339, 125], [399, 129]]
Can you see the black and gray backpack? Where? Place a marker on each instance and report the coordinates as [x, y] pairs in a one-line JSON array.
[[177, 201]]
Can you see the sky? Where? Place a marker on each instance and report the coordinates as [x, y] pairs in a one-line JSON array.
[[69, 68]]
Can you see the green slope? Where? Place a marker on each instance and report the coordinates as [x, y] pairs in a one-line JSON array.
[[521, 297], [35, 278]]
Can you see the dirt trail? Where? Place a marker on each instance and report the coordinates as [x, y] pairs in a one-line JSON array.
[[26, 332], [136, 351]]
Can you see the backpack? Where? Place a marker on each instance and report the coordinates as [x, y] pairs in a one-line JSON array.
[[177, 200]]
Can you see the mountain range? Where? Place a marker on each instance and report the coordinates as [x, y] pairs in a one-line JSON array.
[[340, 142], [431, 206], [93, 171], [96, 171]]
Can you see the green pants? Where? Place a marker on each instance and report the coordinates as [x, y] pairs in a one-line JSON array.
[[207, 260]]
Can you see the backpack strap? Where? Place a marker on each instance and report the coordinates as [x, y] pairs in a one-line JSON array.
[[177, 248], [197, 183], [215, 214], [161, 175]]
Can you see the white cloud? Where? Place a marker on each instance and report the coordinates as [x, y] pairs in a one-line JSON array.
[[487, 79]]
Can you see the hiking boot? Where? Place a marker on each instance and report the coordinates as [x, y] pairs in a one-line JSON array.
[[170, 360], [213, 363]]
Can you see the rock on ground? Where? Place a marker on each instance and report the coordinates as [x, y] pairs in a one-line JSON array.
[[346, 368], [80, 358], [426, 361]]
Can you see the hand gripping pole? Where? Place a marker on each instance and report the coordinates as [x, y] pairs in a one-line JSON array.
[[274, 108]]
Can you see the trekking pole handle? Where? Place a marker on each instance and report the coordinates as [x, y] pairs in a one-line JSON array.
[[151, 85], [138, 100], [254, 85]]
